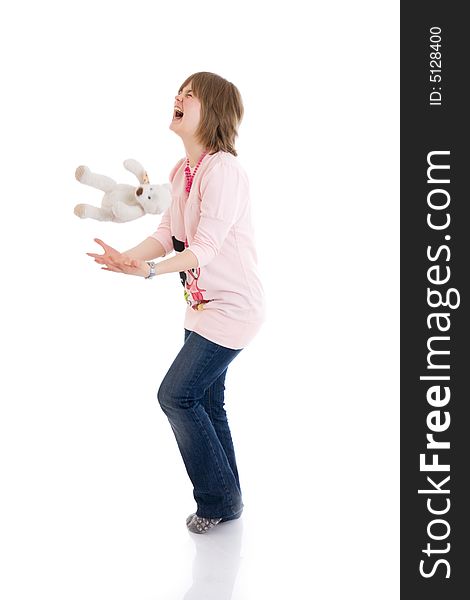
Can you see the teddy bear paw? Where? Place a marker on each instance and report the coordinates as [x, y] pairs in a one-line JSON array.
[[80, 210], [80, 172]]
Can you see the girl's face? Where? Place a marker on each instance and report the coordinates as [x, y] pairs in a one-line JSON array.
[[189, 105]]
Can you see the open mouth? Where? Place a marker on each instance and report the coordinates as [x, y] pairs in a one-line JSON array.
[[178, 114]]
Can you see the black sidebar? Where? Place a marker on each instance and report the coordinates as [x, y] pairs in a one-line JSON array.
[[434, 301]]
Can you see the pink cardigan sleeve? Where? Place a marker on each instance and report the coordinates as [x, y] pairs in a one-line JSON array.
[[222, 191], [163, 232]]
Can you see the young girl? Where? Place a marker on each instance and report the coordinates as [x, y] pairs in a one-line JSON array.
[[208, 225]]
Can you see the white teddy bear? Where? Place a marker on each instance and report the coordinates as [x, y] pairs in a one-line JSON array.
[[122, 202]]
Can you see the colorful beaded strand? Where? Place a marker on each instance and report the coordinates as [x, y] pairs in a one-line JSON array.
[[189, 182], [189, 176]]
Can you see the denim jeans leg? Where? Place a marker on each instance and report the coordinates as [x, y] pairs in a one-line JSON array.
[[213, 402], [197, 366]]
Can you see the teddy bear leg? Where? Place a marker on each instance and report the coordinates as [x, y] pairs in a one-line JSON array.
[[101, 182], [85, 211], [123, 212]]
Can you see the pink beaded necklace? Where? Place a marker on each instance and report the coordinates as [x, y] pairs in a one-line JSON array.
[[189, 175]]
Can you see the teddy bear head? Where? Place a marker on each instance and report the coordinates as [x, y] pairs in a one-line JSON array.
[[149, 196]]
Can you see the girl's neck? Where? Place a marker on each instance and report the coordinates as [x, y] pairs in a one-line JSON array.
[[193, 152]]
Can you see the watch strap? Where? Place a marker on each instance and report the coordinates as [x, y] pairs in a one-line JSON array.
[[152, 273]]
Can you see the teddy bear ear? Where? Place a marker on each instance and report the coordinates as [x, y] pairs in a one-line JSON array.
[[146, 178]]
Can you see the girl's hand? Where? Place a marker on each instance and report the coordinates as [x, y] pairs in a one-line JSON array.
[[119, 263]]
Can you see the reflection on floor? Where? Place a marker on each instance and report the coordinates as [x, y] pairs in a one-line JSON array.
[[216, 562]]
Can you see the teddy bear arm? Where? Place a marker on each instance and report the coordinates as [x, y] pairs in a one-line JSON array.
[[137, 169]]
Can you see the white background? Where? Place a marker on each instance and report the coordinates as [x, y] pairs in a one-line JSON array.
[[94, 493]]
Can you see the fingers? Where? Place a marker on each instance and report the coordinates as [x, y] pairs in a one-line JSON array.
[[101, 258], [111, 268], [126, 260], [114, 266], [106, 248], [130, 262], [114, 260], [111, 265]]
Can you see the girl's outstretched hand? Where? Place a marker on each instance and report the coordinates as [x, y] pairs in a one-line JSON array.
[[119, 263]]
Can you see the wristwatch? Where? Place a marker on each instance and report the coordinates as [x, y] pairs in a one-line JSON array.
[[152, 273]]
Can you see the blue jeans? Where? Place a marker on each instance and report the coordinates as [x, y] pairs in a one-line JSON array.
[[192, 397]]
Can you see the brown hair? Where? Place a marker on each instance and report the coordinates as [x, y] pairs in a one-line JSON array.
[[221, 111]]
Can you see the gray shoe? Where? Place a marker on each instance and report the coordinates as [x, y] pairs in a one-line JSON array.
[[189, 518], [197, 524]]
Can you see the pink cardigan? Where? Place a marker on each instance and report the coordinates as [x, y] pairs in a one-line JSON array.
[[224, 295]]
